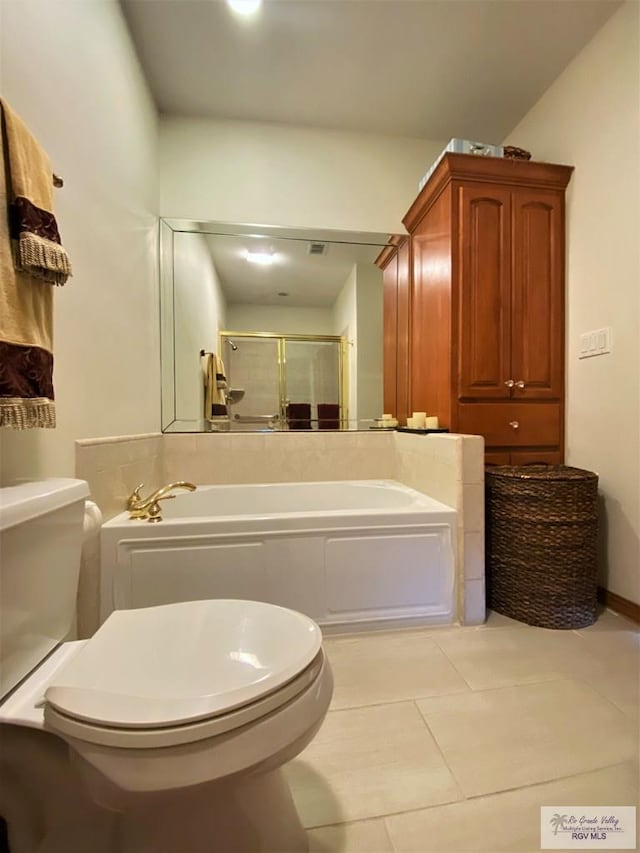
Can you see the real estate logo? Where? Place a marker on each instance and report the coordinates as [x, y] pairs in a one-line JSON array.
[[588, 827]]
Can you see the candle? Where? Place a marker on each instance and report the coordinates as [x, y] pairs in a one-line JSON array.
[[432, 422], [419, 419]]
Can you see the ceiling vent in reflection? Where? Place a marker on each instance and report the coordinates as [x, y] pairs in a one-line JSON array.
[[317, 249]]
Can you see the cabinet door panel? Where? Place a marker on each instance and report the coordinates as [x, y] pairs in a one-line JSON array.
[[390, 334], [531, 457], [485, 291], [537, 294], [497, 457], [430, 316], [402, 367]]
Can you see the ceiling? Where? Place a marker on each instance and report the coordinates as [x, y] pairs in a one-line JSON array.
[[310, 281], [423, 68]]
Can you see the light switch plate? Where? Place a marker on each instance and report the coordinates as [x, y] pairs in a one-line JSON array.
[[596, 342]]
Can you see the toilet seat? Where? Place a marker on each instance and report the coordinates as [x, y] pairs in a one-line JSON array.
[[183, 672], [156, 738]]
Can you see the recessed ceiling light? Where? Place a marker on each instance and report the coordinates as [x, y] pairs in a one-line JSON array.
[[244, 7], [264, 258]]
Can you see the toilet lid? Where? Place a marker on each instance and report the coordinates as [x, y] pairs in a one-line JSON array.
[[158, 667]]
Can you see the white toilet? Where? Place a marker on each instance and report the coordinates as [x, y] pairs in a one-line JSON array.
[[167, 730]]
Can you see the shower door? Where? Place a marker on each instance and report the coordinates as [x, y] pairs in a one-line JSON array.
[[252, 367], [312, 377], [270, 376]]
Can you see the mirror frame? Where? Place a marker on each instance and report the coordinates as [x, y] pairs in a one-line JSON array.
[[169, 422]]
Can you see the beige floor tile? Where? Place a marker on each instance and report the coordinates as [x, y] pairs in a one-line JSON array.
[[510, 821], [369, 762], [615, 675], [608, 621], [504, 738], [388, 668], [363, 836], [611, 661], [509, 656], [615, 639], [498, 620]]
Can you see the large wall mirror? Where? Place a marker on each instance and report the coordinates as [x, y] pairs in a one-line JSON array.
[[292, 319]]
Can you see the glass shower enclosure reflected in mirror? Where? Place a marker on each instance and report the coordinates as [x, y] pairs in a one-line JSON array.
[[283, 382]]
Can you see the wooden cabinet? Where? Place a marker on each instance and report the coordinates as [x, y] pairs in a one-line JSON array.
[[394, 263], [486, 319]]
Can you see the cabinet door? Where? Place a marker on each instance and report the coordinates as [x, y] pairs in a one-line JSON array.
[[404, 324], [497, 457], [484, 308], [390, 334], [537, 294]]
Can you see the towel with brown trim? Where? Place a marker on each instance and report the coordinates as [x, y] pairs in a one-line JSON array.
[[35, 238], [26, 332], [215, 383]]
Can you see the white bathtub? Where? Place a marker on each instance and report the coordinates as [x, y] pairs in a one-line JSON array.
[[348, 554]]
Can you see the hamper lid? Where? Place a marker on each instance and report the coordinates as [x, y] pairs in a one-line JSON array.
[[540, 472]]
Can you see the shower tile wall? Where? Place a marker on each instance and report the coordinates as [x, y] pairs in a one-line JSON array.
[[253, 366]]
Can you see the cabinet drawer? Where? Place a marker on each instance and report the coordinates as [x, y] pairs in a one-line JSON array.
[[512, 424]]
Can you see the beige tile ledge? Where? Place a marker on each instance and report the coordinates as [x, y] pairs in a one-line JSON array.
[[114, 439]]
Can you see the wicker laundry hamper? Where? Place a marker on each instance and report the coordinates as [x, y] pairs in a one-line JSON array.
[[542, 538]]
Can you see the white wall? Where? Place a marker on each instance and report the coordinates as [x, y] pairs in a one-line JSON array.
[[589, 118], [280, 319], [70, 71], [345, 322], [234, 171], [200, 308], [370, 341]]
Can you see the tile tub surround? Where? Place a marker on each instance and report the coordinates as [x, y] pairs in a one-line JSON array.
[[447, 467], [113, 467], [521, 717]]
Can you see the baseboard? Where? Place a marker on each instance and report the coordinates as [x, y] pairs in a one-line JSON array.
[[621, 605]]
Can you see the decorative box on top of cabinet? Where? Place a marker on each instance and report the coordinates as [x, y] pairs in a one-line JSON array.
[[486, 325]]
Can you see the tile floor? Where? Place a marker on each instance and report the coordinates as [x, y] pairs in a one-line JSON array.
[[445, 740]]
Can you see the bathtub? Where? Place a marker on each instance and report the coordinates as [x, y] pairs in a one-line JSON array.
[[351, 555]]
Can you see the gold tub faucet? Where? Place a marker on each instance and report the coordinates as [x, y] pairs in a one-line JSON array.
[[149, 507]]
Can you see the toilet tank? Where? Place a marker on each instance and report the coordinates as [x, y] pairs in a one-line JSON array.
[[40, 545]]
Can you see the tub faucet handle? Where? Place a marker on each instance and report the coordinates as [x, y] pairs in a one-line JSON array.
[[135, 498], [139, 507]]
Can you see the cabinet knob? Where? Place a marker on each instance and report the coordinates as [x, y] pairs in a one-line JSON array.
[[509, 383], [520, 384], [514, 424]]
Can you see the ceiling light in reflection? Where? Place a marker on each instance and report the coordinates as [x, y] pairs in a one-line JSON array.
[[265, 259], [245, 7]]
